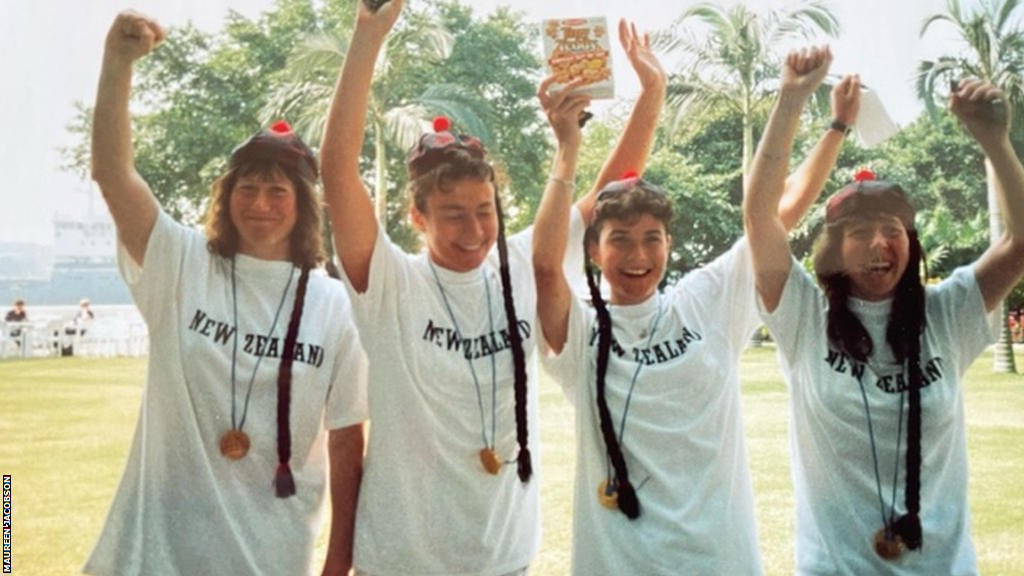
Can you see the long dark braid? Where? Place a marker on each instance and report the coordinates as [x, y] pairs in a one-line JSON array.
[[524, 460], [906, 326], [284, 482], [627, 498]]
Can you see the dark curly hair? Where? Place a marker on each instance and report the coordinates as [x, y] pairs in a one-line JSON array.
[[628, 200]]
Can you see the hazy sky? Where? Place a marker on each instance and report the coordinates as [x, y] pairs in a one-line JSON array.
[[50, 54]]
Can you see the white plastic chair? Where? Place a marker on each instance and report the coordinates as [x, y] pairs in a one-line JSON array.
[[51, 338], [8, 346]]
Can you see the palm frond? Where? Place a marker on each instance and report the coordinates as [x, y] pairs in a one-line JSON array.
[[932, 80], [403, 125], [465, 108], [317, 52]]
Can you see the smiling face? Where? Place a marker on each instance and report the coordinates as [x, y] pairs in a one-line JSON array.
[[632, 255], [875, 252], [263, 211], [460, 224]]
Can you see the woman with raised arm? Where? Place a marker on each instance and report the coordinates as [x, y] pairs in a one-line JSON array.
[[662, 483], [449, 485], [873, 358], [256, 388]]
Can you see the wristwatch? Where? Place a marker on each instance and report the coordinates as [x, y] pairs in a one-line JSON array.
[[839, 127]]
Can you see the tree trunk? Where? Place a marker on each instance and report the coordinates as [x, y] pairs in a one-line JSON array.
[[1003, 359]]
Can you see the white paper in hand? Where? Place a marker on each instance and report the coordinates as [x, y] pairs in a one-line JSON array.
[[873, 124]]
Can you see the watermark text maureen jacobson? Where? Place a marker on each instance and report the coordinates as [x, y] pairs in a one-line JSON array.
[[7, 524]]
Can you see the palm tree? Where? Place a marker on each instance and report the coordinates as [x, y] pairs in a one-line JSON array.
[[995, 53], [393, 117], [733, 66]]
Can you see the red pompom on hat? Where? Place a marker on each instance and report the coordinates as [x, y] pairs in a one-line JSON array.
[[441, 123], [430, 151], [630, 174], [276, 144], [863, 174], [281, 127], [866, 197]]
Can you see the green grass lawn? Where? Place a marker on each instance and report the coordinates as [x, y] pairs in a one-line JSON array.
[[66, 424]]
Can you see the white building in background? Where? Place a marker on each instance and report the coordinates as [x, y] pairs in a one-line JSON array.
[[80, 263]]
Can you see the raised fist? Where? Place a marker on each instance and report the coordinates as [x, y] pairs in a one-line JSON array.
[[805, 69], [133, 35]]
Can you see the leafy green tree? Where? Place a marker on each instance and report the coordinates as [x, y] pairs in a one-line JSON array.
[[733, 64], [942, 170], [994, 51], [401, 103], [430, 65], [197, 96]]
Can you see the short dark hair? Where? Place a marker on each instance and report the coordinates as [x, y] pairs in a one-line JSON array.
[[628, 200], [452, 165]]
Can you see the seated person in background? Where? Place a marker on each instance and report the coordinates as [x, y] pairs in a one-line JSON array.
[[76, 326], [16, 314]]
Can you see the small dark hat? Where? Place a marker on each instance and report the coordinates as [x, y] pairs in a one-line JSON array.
[[867, 197], [630, 179], [430, 149], [276, 144]]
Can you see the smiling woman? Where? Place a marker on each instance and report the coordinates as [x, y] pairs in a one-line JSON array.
[[265, 205], [263, 211], [878, 429], [247, 295]]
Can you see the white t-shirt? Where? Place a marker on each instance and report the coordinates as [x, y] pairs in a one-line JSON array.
[[426, 504], [683, 438], [838, 510], [182, 507]]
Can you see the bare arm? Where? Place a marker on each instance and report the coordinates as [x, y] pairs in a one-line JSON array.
[[128, 197], [551, 224], [348, 202], [806, 182], [1002, 264], [346, 461], [802, 73], [632, 148]]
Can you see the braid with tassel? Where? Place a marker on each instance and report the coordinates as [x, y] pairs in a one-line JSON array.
[[627, 498], [906, 326], [524, 460], [908, 526], [284, 482]]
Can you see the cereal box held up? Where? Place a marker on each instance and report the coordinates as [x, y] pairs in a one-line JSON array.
[[579, 48]]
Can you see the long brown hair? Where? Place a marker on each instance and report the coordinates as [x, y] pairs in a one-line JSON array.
[[306, 239]]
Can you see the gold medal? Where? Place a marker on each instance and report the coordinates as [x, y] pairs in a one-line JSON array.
[[887, 544], [490, 460], [609, 498], [234, 444]]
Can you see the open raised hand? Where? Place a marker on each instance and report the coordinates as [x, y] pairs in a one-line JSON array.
[[641, 57]]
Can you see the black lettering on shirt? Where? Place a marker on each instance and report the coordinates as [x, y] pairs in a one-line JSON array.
[[895, 383], [473, 347]]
